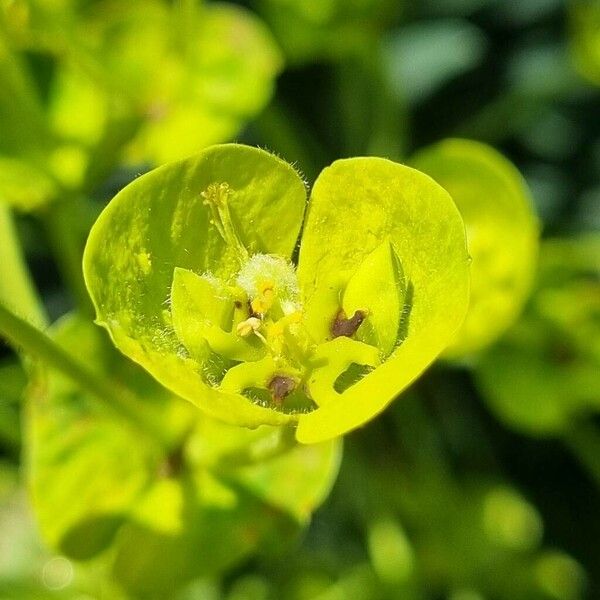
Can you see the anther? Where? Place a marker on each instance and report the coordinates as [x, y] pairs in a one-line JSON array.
[[250, 325]]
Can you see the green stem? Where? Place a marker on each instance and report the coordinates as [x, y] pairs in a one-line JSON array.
[[112, 395], [16, 288]]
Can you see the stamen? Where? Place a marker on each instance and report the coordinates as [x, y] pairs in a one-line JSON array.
[[250, 325], [216, 197]]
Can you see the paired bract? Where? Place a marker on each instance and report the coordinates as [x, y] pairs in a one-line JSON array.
[[192, 269]]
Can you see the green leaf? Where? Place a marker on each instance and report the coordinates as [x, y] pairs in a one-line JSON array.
[[148, 83], [25, 142], [38, 25], [328, 29], [544, 374], [75, 92], [529, 391], [159, 223], [357, 204], [24, 186], [220, 495], [21, 115], [378, 287], [67, 443], [502, 235]]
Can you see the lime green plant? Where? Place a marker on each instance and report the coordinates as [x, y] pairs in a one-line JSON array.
[[502, 235], [195, 272]]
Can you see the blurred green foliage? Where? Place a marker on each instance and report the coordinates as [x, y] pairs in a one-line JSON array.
[[543, 374], [135, 82], [502, 235], [585, 37], [481, 481]]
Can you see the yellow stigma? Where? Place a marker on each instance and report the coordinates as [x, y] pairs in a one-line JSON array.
[[216, 197]]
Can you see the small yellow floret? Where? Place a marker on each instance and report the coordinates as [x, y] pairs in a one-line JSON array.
[[263, 302]]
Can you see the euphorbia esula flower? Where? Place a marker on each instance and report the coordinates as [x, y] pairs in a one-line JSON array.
[[193, 271]]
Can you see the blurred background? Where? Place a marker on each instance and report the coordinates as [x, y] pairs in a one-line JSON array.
[[480, 482]]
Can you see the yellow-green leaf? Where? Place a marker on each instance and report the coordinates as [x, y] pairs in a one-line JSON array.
[[164, 516]]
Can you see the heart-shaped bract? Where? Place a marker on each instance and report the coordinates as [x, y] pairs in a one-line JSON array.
[[191, 269]]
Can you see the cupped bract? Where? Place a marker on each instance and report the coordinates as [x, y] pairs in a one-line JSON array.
[[190, 269], [357, 205], [160, 222]]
